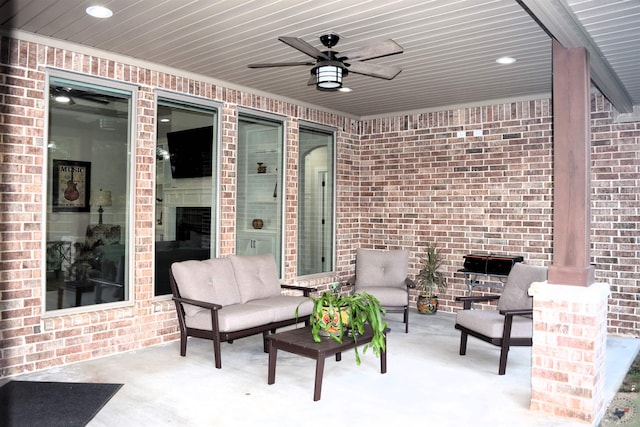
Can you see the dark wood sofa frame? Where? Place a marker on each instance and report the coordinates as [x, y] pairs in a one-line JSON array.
[[215, 334]]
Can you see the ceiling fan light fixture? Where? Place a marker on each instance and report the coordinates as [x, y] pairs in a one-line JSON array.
[[328, 77]]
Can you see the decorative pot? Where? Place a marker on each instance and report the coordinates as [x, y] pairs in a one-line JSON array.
[[427, 304], [333, 323]]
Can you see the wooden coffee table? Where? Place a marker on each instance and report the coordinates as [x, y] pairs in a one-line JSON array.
[[299, 341]]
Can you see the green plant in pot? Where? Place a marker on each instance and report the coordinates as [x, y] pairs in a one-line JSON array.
[[335, 315], [430, 281]]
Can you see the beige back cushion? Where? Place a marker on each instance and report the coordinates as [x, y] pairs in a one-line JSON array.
[[256, 276], [380, 268], [211, 280], [515, 293]]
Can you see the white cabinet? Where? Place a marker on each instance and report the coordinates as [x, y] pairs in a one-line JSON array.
[[256, 243]]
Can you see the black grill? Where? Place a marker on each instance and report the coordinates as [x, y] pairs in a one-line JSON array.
[[490, 264]]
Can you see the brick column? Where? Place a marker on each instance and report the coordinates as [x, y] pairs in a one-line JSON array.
[[568, 353], [570, 311]]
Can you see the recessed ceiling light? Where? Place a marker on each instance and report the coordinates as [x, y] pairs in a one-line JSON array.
[[165, 120], [345, 89], [505, 60], [99, 12]]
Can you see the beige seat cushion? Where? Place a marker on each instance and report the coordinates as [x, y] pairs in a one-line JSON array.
[[233, 317], [256, 276], [491, 323], [379, 268], [388, 297], [284, 306], [211, 280]]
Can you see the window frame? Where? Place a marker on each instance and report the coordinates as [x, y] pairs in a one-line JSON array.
[[204, 104], [249, 114], [128, 233], [315, 127]]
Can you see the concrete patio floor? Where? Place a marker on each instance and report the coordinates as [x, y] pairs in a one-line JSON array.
[[427, 382]]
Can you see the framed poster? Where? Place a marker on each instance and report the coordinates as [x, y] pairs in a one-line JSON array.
[[71, 186]]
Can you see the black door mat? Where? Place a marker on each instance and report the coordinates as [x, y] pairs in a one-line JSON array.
[[43, 403]]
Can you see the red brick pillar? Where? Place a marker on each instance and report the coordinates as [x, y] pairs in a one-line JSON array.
[[568, 353]]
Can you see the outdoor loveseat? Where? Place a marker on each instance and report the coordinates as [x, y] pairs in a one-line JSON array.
[[234, 297]]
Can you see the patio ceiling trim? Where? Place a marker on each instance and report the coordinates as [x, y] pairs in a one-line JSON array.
[[556, 18]]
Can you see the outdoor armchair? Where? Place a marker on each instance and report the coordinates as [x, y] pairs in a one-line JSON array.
[[383, 274], [511, 323]]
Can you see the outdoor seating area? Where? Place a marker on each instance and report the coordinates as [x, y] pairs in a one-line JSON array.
[[425, 378], [250, 181]]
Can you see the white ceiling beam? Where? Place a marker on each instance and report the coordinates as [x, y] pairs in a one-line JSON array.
[[557, 19]]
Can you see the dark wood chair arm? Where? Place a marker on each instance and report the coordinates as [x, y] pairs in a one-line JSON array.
[[352, 282], [305, 290], [203, 304], [467, 301], [478, 298], [519, 312]]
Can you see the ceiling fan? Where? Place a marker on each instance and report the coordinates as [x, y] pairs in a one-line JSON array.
[[330, 66]]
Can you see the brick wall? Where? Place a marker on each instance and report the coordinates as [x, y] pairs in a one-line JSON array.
[[615, 211], [425, 184], [402, 182], [422, 183]]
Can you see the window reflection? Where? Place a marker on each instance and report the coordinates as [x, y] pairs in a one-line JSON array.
[[315, 198], [185, 179], [87, 187]]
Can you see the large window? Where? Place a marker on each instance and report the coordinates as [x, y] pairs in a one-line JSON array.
[[185, 181], [88, 187], [315, 201], [260, 194]]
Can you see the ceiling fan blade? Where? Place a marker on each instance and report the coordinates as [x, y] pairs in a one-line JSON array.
[[374, 50], [387, 72], [280, 64], [304, 47]]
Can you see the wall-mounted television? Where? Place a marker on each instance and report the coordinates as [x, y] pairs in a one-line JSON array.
[[190, 152]]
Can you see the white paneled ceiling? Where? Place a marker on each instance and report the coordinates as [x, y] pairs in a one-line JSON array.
[[450, 46]]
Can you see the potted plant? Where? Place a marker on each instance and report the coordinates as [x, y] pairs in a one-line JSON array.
[[335, 315], [430, 281]]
